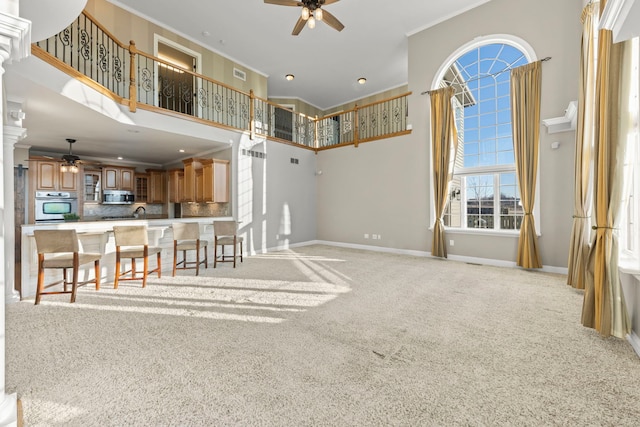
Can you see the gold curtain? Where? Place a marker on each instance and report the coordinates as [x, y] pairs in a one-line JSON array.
[[604, 308], [579, 243], [444, 144], [525, 115]]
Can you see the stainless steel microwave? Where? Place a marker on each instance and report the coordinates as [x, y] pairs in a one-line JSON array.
[[118, 197]]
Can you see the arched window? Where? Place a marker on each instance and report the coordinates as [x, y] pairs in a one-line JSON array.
[[484, 192]]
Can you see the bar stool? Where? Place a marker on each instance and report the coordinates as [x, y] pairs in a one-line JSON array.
[[186, 237], [60, 249], [132, 241], [226, 233]]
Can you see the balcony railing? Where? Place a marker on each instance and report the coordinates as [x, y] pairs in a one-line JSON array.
[[89, 52]]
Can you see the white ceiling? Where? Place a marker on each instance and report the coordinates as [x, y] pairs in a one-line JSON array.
[[326, 64]]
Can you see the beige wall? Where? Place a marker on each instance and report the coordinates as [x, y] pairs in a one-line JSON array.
[[369, 99], [126, 26], [383, 187], [300, 106]]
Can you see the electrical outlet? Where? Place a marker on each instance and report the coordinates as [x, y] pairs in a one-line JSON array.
[[366, 235], [375, 237], [450, 242]]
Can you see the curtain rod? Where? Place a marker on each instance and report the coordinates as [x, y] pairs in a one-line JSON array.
[[426, 92]]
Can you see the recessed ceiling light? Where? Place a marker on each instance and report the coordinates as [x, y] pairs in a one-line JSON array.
[[119, 157], [362, 80], [289, 77], [181, 150]]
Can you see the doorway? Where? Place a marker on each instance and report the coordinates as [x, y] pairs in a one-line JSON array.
[[177, 89]]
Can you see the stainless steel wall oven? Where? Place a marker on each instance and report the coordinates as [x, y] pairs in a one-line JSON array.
[[50, 206]]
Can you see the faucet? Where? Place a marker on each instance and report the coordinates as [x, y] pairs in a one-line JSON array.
[[144, 212]]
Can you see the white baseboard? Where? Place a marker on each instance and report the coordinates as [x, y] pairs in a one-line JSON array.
[[472, 260], [634, 340]]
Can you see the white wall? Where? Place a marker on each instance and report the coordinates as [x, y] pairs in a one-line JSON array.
[[276, 200], [384, 185]]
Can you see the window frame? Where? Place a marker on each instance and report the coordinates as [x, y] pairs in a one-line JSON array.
[[530, 55]]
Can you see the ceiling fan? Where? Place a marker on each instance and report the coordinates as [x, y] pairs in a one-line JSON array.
[[311, 12]]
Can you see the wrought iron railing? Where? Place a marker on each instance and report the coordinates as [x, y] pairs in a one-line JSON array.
[[88, 51]]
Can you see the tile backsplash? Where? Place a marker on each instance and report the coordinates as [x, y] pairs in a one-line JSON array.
[[205, 209], [99, 210]]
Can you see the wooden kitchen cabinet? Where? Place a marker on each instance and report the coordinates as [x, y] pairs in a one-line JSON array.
[[49, 177], [118, 178], [176, 185], [189, 185], [151, 187], [142, 187], [215, 180], [91, 185], [157, 186]]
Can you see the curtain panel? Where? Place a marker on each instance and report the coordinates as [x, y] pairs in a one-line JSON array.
[[444, 145], [604, 308], [525, 116], [579, 243]]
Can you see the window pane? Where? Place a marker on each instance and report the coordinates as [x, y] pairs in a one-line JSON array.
[[471, 148], [504, 103], [471, 136], [486, 133], [505, 158], [471, 161], [488, 120], [505, 144], [504, 116], [471, 122]]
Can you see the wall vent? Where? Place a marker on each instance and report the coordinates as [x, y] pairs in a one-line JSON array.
[[255, 154], [239, 74], [294, 161]]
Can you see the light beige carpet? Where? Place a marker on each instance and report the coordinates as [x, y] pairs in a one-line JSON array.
[[321, 336]]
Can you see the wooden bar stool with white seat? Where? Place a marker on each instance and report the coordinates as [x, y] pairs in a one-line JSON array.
[[186, 237], [132, 241], [226, 233], [60, 249]]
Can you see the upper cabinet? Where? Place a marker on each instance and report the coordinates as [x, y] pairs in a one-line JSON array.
[[215, 180], [151, 187], [118, 178], [176, 185], [206, 180], [91, 185], [50, 178]]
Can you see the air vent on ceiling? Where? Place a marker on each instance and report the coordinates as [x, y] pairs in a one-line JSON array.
[[239, 74]]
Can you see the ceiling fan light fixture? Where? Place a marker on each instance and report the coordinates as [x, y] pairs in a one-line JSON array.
[[305, 13], [311, 22], [318, 14], [362, 80], [289, 77], [64, 168]]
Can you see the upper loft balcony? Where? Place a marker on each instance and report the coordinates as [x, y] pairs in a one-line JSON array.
[[142, 83]]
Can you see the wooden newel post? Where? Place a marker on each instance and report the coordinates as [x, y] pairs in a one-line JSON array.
[[252, 116], [133, 92], [315, 133], [356, 127]]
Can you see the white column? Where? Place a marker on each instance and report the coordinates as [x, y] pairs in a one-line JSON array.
[[11, 135], [15, 40]]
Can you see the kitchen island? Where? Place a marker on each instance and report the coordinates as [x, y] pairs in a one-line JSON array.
[[97, 236]]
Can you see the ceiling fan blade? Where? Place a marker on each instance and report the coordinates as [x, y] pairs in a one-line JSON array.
[[331, 20], [284, 2], [298, 27], [326, 2]]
